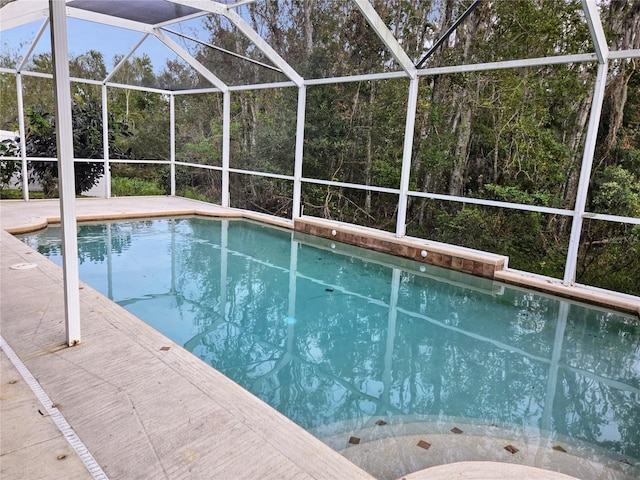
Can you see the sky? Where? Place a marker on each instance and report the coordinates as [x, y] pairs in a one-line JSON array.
[[84, 36]]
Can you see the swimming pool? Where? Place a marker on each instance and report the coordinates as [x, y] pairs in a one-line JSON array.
[[367, 350]]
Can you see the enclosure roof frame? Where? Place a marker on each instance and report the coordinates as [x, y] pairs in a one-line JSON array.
[[21, 12]]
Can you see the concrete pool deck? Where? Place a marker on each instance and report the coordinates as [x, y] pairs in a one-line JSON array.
[[143, 406]]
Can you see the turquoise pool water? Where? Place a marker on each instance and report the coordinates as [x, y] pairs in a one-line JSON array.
[[338, 338]]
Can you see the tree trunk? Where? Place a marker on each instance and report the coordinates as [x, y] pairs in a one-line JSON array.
[[457, 179], [575, 144], [616, 99], [464, 115], [308, 27], [428, 129], [624, 22]]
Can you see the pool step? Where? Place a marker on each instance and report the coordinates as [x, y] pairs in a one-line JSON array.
[[391, 450]]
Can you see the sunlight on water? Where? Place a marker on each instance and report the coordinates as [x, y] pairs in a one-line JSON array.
[[337, 338]]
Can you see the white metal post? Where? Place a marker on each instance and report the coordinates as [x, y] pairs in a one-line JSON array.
[[23, 138], [172, 141], [297, 168], [226, 142], [585, 175], [105, 143], [602, 50], [412, 102], [66, 180]]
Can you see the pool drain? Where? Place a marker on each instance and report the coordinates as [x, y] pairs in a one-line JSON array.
[[22, 266]]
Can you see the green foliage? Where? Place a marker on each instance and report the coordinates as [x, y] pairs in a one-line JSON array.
[[617, 192], [514, 194], [8, 148], [9, 102], [16, 194], [194, 194], [204, 151], [125, 187], [609, 254]]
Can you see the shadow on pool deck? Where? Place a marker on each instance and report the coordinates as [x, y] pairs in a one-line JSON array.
[[143, 406]]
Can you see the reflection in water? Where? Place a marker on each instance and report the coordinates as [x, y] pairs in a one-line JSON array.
[[336, 337]]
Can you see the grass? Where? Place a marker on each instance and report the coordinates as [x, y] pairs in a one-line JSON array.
[[16, 194], [194, 194], [126, 187], [120, 187]]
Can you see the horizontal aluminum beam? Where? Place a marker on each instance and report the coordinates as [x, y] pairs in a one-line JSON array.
[[355, 78], [621, 54], [158, 162], [196, 91], [610, 218], [135, 87], [522, 63], [355, 186], [186, 18], [492, 203], [262, 86], [261, 174], [200, 165]]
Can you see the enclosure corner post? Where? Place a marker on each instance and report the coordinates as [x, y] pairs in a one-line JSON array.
[[23, 138], [105, 143], [585, 175], [172, 143], [226, 141], [403, 197], [64, 138], [602, 50], [297, 169]]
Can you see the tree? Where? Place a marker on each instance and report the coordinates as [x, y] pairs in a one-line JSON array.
[[87, 144], [8, 168]]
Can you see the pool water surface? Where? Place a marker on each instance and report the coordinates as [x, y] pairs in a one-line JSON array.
[[347, 342]]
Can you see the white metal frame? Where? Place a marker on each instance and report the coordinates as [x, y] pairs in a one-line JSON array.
[[21, 12], [64, 133], [602, 51]]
